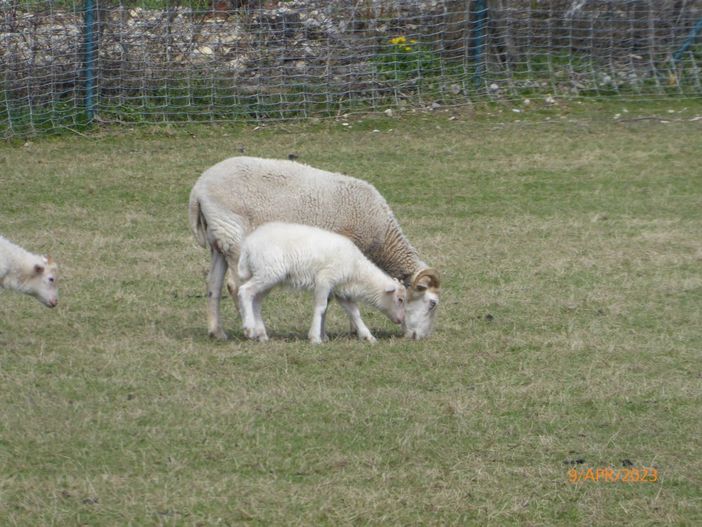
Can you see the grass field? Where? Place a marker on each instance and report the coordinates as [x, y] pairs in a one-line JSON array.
[[569, 335]]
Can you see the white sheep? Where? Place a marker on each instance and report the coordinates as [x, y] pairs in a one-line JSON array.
[[28, 273], [235, 196], [311, 258]]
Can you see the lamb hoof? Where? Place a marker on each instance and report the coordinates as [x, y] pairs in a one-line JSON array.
[[315, 340], [262, 337], [369, 338], [218, 334], [250, 333]]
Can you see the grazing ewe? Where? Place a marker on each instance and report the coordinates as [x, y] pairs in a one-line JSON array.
[[310, 258], [28, 273], [235, 196]]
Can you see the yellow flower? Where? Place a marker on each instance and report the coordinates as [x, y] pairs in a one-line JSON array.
[[398, 40], [413, 41], [408, 48]]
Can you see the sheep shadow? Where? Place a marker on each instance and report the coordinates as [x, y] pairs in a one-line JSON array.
[[237, 336], [301, 336]]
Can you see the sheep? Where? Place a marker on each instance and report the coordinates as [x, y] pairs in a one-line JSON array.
[[311, 258], [28, 273], [233, 197]]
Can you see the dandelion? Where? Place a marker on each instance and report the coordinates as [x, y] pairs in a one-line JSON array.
[[398, 40], [408, 48]]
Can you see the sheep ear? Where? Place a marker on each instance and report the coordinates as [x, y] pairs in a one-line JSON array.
[[390, 289], [426, 278], [38, 269], [51, 265]]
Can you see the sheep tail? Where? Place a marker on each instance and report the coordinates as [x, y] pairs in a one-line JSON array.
[[198, 222]]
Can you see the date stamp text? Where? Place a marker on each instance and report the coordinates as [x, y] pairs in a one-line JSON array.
[[613, 475]]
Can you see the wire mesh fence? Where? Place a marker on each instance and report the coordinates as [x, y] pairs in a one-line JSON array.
[[67, 63]]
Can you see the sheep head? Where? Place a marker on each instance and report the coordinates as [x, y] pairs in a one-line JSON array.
[[422, 301], [42, 282]]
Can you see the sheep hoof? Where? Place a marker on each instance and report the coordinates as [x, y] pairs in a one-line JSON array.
[[262, 337], [369, 338], [250, 333], [218, 334]]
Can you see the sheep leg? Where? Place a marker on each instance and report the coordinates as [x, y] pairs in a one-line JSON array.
[[258, 319], [357, 323], [321, 301], [247, 293], [215, 279], [323, 330], [232, 280]]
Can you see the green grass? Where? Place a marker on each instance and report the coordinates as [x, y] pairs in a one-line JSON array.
[[570, 248]]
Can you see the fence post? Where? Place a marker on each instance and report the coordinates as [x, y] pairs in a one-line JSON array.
[[480, 17], [90, 52], [689, 41]]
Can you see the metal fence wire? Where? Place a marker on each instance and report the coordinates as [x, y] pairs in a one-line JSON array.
[[66, 63]]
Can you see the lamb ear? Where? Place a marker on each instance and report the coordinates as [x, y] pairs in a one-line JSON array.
[[426, 278], [390, 289]]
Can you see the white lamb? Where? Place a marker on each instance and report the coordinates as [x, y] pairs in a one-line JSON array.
[[28, 273], [237, 195], [311, 258]]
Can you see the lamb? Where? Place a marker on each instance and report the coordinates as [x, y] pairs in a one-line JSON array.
[[28, 273], [312, 258], [235, 196]]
